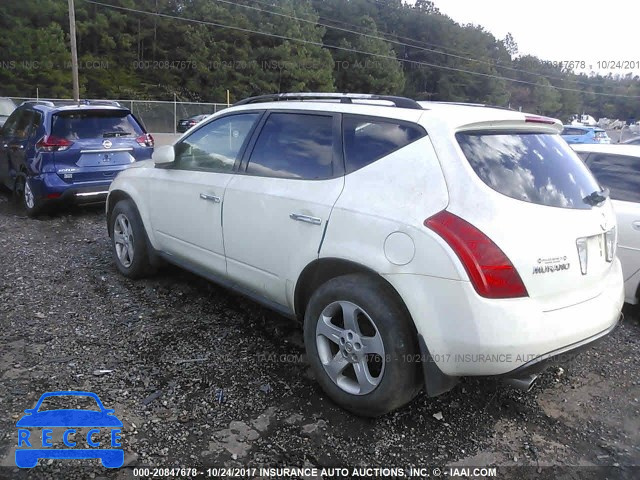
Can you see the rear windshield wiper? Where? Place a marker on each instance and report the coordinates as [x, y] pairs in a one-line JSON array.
[[115, 134], [596, 198]]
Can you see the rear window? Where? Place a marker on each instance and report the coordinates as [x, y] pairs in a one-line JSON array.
[[95, 124], [532, 167]]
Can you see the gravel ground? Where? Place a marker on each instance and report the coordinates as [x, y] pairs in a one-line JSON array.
[[202, 377]]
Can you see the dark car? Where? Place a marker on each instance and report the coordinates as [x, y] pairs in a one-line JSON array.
[[187, 123], [54, 153], [6, 108]]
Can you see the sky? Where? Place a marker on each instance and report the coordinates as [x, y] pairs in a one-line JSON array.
[[560, 30]]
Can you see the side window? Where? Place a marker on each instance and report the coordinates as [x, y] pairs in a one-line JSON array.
[[367, 140], [35, 125], [584, 156], [215, 146], [22, 128], [9, 128], [619, 173], [293, 145]]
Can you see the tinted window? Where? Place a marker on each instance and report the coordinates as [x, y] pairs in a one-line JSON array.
[[22, 126], [367, 140], [619, 173], [294, 146], [76, 125], [216, 145], [532, 167], [573, 131], [37, 122], [583, 155], [10, 125]]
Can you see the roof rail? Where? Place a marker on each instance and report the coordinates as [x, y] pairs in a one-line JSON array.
[[400, 102], [38, 102]]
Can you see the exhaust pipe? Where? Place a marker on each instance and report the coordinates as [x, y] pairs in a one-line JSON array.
[[524, 383]]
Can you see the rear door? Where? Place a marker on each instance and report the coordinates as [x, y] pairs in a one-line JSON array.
[[537, 211], [8, 133], [15, 144], [102, 142], [278, 206], [186, 200], [621, 175]]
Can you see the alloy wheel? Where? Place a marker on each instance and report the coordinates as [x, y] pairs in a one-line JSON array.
[[350, 347], [123, 240]]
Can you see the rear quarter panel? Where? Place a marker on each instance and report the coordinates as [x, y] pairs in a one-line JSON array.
[[393, 195]]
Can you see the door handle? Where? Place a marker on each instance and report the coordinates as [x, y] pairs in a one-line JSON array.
[[305, 218], [211, 198], [636, 225]]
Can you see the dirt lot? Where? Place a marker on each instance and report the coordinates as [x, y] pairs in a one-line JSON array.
[[201, 377]]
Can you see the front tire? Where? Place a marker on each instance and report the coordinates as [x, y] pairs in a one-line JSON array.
[[361, 345], [129, 241]]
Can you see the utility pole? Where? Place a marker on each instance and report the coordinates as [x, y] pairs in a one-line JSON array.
[[74, 52]]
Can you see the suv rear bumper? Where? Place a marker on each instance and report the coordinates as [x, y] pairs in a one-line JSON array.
[[469, 335], [49, 187]]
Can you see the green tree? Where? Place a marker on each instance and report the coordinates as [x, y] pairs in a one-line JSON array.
[[356, 72]]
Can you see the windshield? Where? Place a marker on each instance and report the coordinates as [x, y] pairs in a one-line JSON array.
[[532, 167], [77, 125]]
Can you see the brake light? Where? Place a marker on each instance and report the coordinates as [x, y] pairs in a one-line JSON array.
[[492, 274], [49, 143], [538, 119], [145, 140]]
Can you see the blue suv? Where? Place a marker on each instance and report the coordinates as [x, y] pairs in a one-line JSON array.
[[53, 153], [580, 134]]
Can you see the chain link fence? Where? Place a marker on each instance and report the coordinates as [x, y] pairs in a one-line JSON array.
[[157, 116]]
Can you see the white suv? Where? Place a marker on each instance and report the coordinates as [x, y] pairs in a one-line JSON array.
[[617, 167], [419, 242]]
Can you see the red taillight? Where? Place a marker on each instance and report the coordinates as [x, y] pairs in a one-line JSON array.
[[491, 272], [538, 119], [49, 143], [145, 140]]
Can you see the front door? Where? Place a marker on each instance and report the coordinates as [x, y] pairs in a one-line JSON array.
[[187, 199]]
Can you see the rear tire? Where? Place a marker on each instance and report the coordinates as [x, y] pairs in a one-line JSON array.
[[361, 345], [129, 241], [24, 193]]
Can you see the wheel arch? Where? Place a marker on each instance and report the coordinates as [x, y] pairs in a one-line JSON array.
[[320, 271], [114, 197], [324, 269]]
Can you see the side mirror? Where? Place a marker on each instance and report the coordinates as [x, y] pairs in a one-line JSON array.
[[164, 155]]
